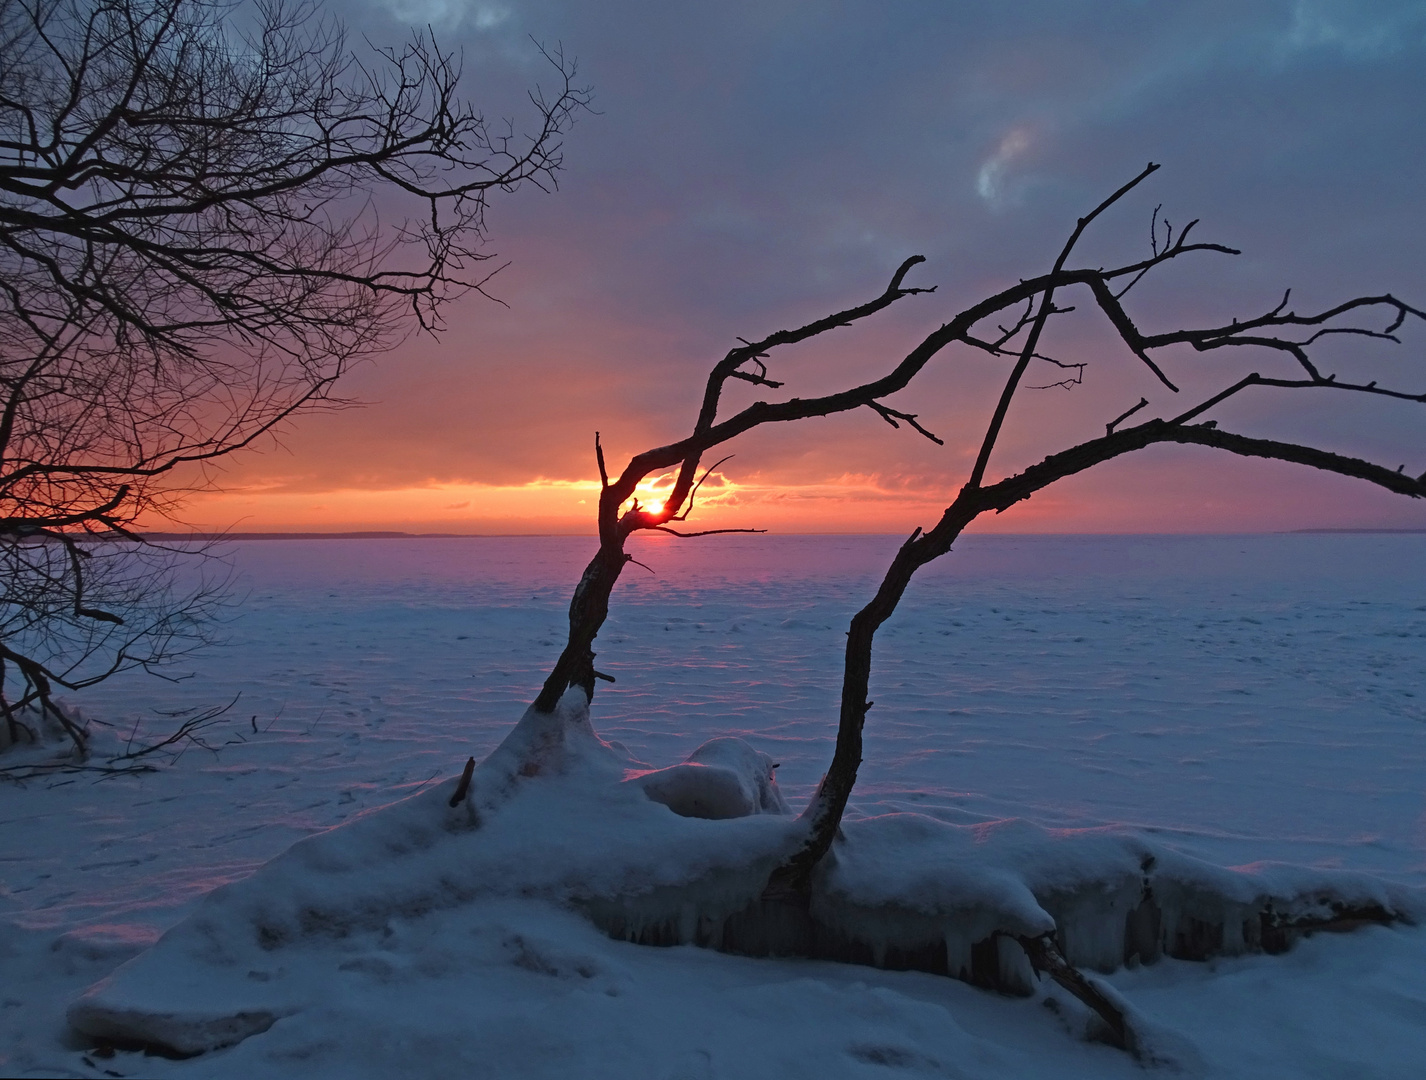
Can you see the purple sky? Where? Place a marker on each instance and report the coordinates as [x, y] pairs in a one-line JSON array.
[[755, 165]]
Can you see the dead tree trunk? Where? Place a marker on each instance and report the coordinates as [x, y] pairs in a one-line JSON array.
[[790, 883], [1283, 334], [621, 515]]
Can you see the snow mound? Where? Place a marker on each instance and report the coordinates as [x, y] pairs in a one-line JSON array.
[[557, 818], [723, 778], [547, 818]]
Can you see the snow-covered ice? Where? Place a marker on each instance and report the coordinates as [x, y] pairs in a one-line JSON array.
[[1246, 708]]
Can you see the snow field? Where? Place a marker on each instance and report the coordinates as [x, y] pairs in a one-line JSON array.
[[1232, 700]]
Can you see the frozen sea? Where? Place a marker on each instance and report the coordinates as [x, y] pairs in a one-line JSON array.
[[1242, 698]]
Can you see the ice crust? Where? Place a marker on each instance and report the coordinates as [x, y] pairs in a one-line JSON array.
[[556, 816], [907, 882]]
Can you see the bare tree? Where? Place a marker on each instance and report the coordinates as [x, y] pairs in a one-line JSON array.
[[1277, 350], [1280, 337], [209, 210]]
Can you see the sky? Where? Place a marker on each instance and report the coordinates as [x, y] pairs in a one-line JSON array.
[[752, 166]]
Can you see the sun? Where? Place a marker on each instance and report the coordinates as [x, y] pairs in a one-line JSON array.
[[652, 495]]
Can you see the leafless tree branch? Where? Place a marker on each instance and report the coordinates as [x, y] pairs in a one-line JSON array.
[[191, 253]]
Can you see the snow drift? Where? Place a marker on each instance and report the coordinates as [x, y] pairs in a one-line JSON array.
[[557, 817]]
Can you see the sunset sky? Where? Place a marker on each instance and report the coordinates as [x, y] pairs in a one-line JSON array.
[[752, 166]]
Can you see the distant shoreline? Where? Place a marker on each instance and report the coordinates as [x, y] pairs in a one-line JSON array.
[[1386, 531], [340, 536], [394, 535]]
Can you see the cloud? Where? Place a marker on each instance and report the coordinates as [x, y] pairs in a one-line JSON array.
[[990, 180], [449, 15], [1361, 31]]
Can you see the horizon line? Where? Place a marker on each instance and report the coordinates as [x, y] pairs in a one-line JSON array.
[[391, 534]]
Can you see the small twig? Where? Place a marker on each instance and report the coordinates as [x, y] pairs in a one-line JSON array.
[[1069, 381], [186, 733], [757, 378], [1251, 379], [705, 532], [693, 492], [891, 415], [1109, 427], [424, 783], [21, 773]]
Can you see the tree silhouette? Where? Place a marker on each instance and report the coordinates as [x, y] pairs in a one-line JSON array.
[[1275, 351], [208, 212], [1280, 336]]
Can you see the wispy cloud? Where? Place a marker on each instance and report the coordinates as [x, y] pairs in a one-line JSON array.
[[991, 181], [1361, 30], [449, 15]]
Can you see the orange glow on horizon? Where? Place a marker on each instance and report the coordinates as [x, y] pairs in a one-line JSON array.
[[551, 506], [1186, 498]]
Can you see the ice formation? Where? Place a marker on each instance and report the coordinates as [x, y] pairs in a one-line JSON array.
[[557, 817]]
